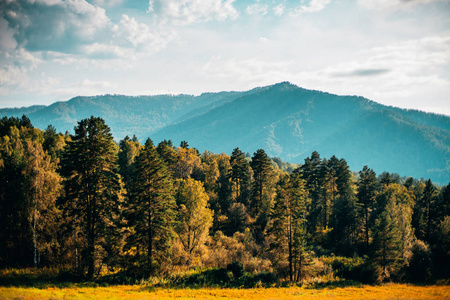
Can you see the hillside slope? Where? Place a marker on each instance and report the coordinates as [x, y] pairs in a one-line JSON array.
[[287, 121], [291, 122]]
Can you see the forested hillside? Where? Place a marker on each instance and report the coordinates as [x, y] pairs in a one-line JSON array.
[[135, 209], [287, 121]]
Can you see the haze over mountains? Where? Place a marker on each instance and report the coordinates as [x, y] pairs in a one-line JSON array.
[[285, 120]]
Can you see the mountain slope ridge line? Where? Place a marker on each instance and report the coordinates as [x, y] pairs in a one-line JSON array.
[[287, 121]]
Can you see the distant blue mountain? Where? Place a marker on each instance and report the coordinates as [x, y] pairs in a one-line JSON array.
[[287, 121]]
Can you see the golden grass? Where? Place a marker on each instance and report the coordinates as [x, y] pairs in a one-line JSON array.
[[389, 291]]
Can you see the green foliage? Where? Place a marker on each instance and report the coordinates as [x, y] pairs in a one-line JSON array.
[[122, 216], [91, 189], [237, 268], [151, 210], [366, 194], [288, 225], [223, 278], [350, 268], [420, 266]]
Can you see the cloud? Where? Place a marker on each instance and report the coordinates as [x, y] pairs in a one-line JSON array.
[[140, 36], [257, 9], [184, 12], [393, 5], [7, 41], [363, 73], [313, 6], [17, 66], [279, 9], [108, 3], [54, 25], [11, 75]]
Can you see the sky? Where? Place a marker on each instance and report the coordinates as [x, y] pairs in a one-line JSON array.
[[395, 52]]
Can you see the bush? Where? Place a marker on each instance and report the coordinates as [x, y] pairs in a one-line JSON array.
[[350, 268], [237, 268], [419, 269]]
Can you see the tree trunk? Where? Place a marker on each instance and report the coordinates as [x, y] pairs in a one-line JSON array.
[[91, 240], [290, 252]]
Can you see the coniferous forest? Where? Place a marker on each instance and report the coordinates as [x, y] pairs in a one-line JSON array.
[[135, 209]]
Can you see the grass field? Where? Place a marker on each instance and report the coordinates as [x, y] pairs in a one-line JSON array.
[[390, 291]]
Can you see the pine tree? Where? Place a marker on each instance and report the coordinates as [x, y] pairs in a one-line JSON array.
[[386, 246], [367, 191], [310, 172], [399, 202], [445, 202], [152, 207], [261, 201], [91, 185], [168, 155], [262, 172], [425, 212], [344, 214], [288, 224], [128, 151], [240, 177]]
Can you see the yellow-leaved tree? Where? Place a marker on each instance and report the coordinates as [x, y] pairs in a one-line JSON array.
[[194, 218]]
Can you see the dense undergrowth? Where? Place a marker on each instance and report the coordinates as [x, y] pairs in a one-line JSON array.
[[344, 272]]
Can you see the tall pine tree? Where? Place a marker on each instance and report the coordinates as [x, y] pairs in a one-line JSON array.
[[152, 208], [89, 164], [288, 224], [367, 191]]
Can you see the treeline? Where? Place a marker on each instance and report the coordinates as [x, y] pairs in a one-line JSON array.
[[84, 202]]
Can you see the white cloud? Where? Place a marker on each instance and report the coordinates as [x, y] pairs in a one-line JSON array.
[[257, 9], [106, 51], [392, 5], [16, 66], [279, 9], [108, 3], [313, 6], [11, 75], [184, 12], [139, 35]]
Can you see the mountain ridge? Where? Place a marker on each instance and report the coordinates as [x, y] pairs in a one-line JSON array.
[[285, 120]]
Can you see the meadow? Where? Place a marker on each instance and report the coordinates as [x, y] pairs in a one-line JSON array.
[[51, 283], [388, 291]]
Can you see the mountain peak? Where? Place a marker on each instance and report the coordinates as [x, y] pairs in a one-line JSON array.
[[285, 120]]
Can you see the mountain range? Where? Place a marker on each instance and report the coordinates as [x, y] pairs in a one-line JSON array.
[[285, 120]]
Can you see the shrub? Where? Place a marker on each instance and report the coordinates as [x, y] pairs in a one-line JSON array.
[[351, 268], [237, 268], [419, 269]]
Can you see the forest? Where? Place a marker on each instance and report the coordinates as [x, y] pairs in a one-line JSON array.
[[125, 211]]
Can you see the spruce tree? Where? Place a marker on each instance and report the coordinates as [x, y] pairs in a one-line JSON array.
[[386, 246], [262, 172], [344, 213], [367, 191], [288, 224], [89, 165], [240, 177], [151, 209]]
